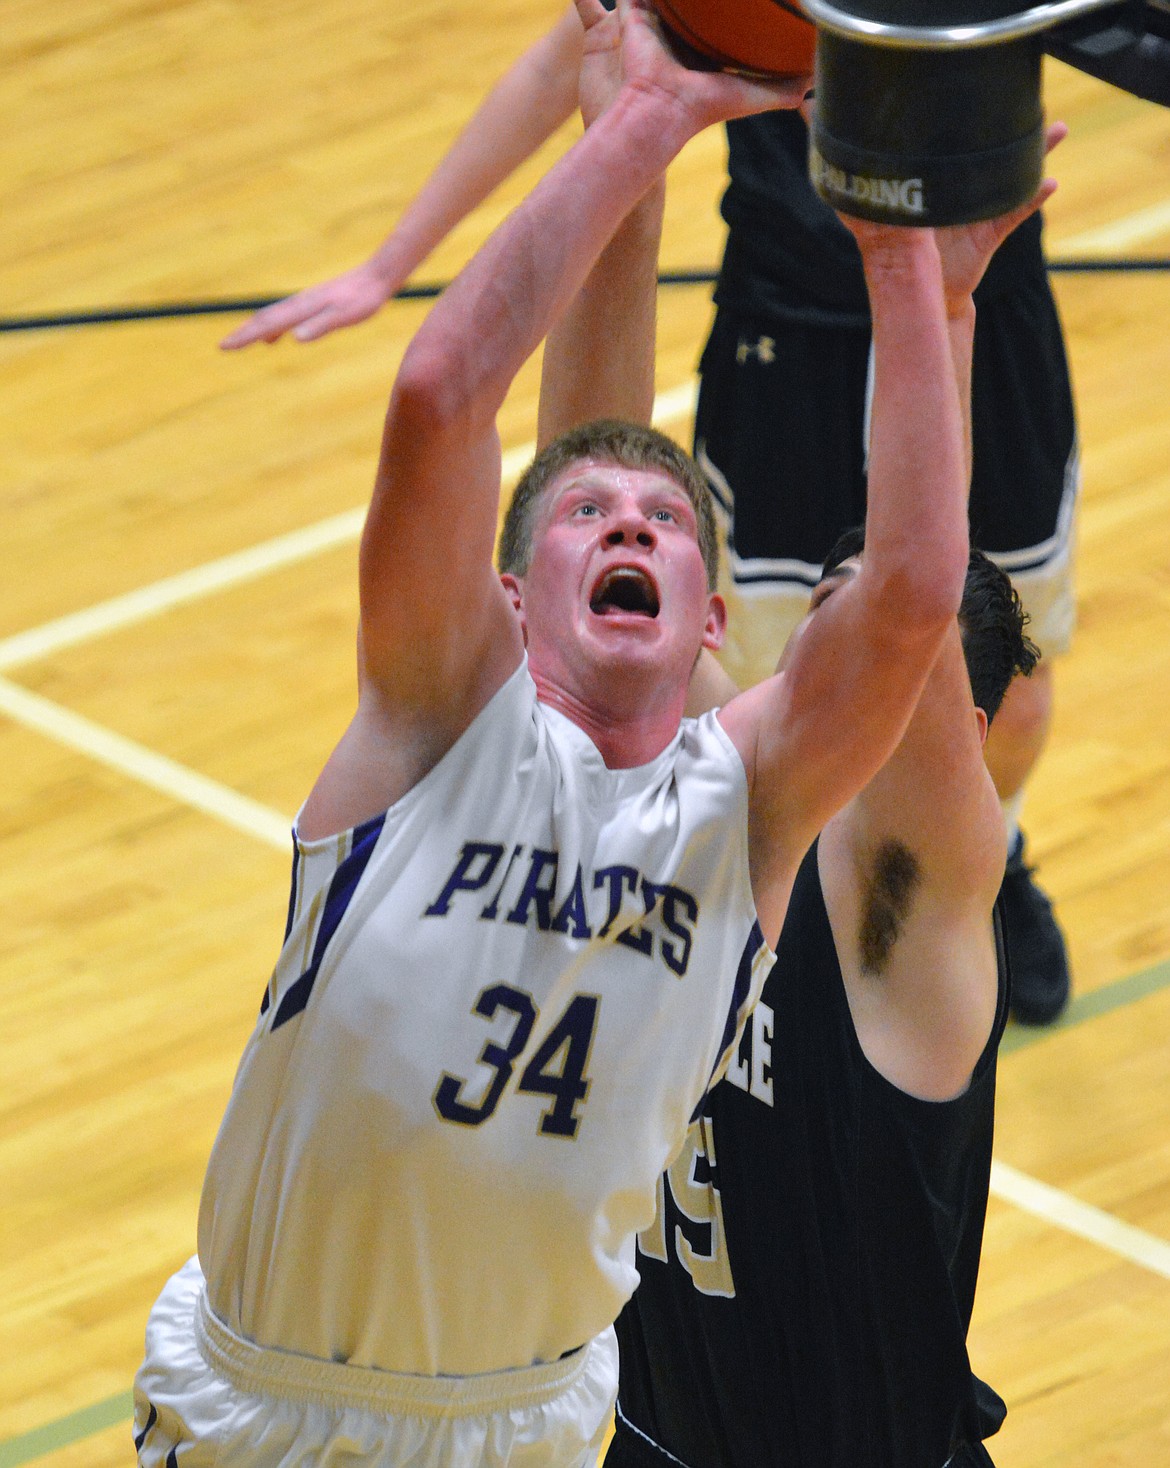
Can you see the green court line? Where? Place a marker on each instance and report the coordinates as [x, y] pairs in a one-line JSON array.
[[65, 1431], [1091, 1006]]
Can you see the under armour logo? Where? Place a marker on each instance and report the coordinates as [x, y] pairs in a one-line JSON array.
[[764, 350]]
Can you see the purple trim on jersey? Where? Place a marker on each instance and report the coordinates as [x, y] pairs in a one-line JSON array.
[[292, 892], [743, 981], [292, 907], [140, 1437], [341, 889]]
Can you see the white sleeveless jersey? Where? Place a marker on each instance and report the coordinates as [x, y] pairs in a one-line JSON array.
[[495, 1011]]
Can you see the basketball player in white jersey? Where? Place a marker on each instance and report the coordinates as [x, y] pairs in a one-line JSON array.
[[531, 903]]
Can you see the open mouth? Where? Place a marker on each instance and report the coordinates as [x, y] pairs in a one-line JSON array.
[[625, 589]]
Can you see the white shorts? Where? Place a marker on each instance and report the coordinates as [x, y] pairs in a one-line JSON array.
[[220, 1400]]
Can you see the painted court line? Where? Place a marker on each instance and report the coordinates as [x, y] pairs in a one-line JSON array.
[[244, 566], [1082, 1219], [1135, 229], [16, 1451], [176, 591], [144, 765], [1117, 995]]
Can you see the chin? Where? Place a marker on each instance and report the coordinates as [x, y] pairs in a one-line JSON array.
[[655, 670]]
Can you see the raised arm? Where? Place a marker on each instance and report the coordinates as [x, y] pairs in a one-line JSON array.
[[910, 870], [816, 732], [599, 358], [525, 107], [911, 866], [438, 635], [934, 796], [965, 251]]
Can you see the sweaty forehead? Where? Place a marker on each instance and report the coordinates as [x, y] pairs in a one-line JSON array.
[[605, 479], [604, 473]]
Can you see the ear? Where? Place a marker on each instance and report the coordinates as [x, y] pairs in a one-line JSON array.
[[981, 724], [515, 589], [715, 627]]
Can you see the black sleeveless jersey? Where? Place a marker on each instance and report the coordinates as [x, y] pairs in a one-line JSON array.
[[788, 256], [807, 1286]]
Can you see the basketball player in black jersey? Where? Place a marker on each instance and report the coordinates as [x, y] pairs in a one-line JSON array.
[[808, 1281], [782, 403]]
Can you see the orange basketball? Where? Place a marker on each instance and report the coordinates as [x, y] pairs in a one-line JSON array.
[[761, 37]]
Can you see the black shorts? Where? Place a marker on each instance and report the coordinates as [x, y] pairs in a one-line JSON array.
[[971, 1455], [781, 429], [632, 1449]]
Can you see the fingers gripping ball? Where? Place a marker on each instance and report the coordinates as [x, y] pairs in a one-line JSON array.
[[757, 37]]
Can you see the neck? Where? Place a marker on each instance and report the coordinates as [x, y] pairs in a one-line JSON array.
[[624, 737]]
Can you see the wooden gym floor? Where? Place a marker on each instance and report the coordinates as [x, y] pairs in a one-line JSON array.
[[177, 611]]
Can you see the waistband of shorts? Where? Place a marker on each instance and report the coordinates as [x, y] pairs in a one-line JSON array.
[[308, 1379]]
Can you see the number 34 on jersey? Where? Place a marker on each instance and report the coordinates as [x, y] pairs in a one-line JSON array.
[[556, 1069]]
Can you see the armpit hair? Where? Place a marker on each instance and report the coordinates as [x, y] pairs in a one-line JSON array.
[[885, 903]]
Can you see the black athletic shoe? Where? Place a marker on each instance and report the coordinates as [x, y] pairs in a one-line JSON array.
[[1035, 945]]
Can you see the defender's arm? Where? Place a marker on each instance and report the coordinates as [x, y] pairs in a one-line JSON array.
[[521, 112], [816, 732]]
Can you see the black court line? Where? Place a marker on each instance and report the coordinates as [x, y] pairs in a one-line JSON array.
[[171, 310], [238, 306]]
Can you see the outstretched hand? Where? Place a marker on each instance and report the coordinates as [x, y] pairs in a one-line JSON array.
[[343, 301], [966, 249], [639, 56]]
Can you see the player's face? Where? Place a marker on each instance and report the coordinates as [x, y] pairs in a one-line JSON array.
[[616, 585]]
